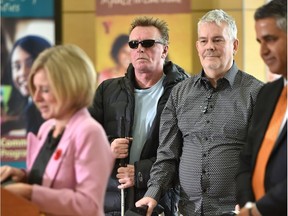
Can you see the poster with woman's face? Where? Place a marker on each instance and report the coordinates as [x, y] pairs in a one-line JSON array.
[[27, 28]]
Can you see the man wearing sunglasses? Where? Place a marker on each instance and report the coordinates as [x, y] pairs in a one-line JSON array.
[[204, 126], [129, 109]]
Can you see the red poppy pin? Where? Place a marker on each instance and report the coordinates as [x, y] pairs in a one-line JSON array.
[[57, 154]]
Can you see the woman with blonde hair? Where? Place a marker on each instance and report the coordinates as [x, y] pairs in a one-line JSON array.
[[69, 161]]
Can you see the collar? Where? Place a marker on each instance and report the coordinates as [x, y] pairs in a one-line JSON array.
[[229, 76]]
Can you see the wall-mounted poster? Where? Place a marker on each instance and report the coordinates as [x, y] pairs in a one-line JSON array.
[[27, 28], [113, 20]]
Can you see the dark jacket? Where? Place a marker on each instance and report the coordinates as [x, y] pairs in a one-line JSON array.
[[113, 107], [274, 202]]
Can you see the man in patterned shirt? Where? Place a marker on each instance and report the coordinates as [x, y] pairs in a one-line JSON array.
[[204, 126]]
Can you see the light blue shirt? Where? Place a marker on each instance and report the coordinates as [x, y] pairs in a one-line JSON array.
[[146, 101]]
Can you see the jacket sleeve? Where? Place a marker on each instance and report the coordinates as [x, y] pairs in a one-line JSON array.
[[96, 109], [275, 200], [243, 178], [142, 172], [164, 170], [244, 191]]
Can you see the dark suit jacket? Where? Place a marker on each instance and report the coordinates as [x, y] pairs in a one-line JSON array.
[[275, 200]]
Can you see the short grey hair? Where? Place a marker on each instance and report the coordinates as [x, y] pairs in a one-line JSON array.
[[219, 16]]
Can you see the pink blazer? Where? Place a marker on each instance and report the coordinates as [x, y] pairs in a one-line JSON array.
[[76, 176]]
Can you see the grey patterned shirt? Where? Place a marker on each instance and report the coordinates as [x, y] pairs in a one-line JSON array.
[[202, 131]]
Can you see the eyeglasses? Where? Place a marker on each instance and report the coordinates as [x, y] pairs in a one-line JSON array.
[[133, 44]]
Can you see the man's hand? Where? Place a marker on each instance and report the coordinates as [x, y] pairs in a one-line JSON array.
[[120, 147], [126, 176], [253, 209], [148, 201]]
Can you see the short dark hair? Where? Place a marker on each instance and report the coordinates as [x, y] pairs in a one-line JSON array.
[[32, 44], [276, 9], [161, 25], [118, 43]]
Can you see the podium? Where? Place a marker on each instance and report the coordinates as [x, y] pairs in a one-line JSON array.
[[13, 205]]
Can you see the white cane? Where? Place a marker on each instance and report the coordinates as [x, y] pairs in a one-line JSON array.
[[122, 202], [123, 164]]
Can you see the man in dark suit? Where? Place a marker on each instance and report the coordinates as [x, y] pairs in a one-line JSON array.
[[262, 174]]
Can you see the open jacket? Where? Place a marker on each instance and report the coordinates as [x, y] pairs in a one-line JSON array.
[[114, 100], [77, 173], [274, 202]]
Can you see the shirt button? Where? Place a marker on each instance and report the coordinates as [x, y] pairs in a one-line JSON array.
[[203, 171], [204, 190], [204, 155], [140, 177], [208, 121]]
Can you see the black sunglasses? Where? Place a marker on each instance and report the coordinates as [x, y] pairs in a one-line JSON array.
[[133, 44]]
